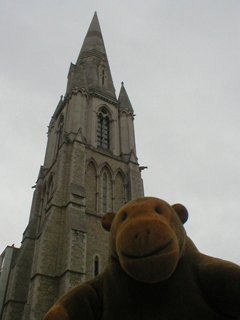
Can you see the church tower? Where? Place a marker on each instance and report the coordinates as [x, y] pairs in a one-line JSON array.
[[90, 168]]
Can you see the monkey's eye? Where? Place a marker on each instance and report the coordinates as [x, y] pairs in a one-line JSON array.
[[124, 216], [158, 211]]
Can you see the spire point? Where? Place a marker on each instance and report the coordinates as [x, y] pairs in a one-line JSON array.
[[123, 99], [92, 73]]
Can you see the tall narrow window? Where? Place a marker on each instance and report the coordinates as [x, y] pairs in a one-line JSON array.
[[96, 266], [103, 75], [106, 133], [103, 129], [104, 193], [99, 130]]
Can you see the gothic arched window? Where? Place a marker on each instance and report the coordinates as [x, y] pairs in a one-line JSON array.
[[103, 129]]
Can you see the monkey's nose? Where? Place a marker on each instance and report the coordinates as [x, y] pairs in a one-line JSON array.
[[142, 233]]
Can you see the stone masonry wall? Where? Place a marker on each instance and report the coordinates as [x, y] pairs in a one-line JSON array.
[[91, 187], [43, 288], [19, 281], [45, 256], [97, 244], [119, 192], [13, 311], [42, 296], [69, 280], [134, 179], [77, 251]]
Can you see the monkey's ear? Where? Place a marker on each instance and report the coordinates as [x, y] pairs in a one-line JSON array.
[[181, 211], [107, 220]]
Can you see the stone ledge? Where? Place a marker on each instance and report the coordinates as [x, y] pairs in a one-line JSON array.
[[77, 190]]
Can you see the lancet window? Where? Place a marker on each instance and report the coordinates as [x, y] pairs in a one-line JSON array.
[[102, 74], [103, 129]]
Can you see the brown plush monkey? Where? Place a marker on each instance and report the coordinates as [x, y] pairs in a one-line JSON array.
[[155, 272]]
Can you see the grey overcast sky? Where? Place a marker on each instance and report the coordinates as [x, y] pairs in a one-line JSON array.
[[180, 64]]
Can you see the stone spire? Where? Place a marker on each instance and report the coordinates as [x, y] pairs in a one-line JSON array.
[[124, 102], [92, 70], [126, 127], [93, 39]]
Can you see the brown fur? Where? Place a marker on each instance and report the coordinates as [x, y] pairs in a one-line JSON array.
[[155, 272], [59, 312]]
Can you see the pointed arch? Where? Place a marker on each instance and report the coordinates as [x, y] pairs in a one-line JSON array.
[[105, 110], [119, 191], [103, 127], [93, 162], [106, 166], [119, 170], [91, 186]]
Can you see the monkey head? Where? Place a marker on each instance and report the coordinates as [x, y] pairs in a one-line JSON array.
[[148, 237]]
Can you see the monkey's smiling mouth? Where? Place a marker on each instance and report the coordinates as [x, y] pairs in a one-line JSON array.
[[148, 254]]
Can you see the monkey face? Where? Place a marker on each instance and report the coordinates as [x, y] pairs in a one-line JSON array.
[[147, 236]]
